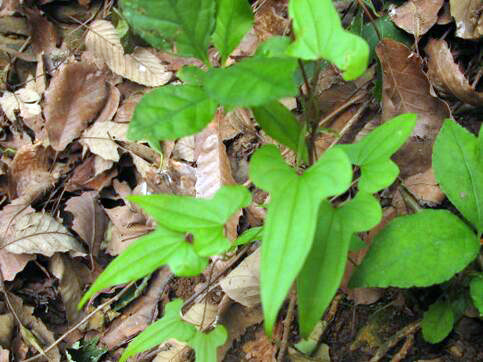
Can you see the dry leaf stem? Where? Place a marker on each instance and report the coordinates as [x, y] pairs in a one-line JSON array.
[[286, 325]]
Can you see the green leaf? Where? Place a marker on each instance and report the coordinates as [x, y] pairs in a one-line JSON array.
[[280, 124], [324, 268], [191, 74], [233, 21], [170, 326], [252, 82], [203, 218], [147, 254], [458, 168], [163, 23], [205, 344], [476, 291], [356, 244], [437, 321], [291, 217], [319, 34], [372, 153], [171, 112], [417, 251], [248, 236], [275, 46]]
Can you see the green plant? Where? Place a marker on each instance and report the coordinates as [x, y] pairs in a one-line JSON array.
[[312, 219], [431, 246]]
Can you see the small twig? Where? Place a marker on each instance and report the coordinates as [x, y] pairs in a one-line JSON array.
[[401, 354], [410, 329], [287, 323], [85, 319]]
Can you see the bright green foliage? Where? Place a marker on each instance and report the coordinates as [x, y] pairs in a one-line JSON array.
[[458, 167], [163, 23], [276, 46], [252, 82], [249, 235], [170, 112], [291, 218], [280, 124], [233, 21], [324, 267], [438, 321], [417, 250], [191, 74], [372, 153], [319, 34], [356, 243], [205, 344], [180, 218], [172, 326], [476, 291]]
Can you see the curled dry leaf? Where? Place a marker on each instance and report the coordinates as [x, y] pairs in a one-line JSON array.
[[39, 233], [141, 67], [468, 15], [416, 16], [94, 173], [202, 315], [43, 336], [72, 277], [126, 110], [25, 100], [99, 138], [185, 149], [243, 283], [76, 95], [29, 174], [89, 219], [111, 106], [407, 90], [447, 76], [172, 351]]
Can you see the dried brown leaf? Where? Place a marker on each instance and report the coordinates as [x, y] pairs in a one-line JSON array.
[[94, 173], [75, 96], [141, 66], [447, 76], [42, 31], [201, 315], [99, 139], [111, 105], [39, 233], [172, 351], [407, 90], [468, 15], [25, 100], [36, 327], [7, 324], [125, 112], [242, 284], [137, 316], [29, 173], [89, 219], [72, 277], [185, 149], [4, 355], [416, 16], [12, 264]]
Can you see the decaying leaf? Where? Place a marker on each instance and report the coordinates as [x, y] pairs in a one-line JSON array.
[[416, 16], [407, 90], [7, 325], [242, 284], [202, 315], [469, 18], [99, 138], [4, 355], [11, 264], [42, 31], [447, 76], [172, 351], [30, 173], [36, 328], [94, 173], [141, 66], [75, 96], [39, 233], [72, 277], [89, 219], [25, 100], [111, 106]]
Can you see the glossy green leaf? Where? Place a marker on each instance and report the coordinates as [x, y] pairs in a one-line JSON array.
[[417, 251], [476, 291], [291, 217], [372, 153], [280, 124], [458, 168], [163, 23], [437, 321], [249, 235], [233, 21], [252, 82], [206, 344], [324, 267], [171, 112], [170, 326], [203, 218], [319, 34], [191, 74]]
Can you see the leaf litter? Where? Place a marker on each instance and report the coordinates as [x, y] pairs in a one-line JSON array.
[[64, 211]]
